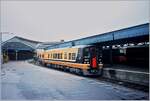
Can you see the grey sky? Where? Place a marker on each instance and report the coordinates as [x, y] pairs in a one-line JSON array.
[[53, 21]]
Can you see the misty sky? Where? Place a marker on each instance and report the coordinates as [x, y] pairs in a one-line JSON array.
[[53, 21]]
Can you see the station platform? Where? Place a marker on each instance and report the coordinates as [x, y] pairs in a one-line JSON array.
[[129, 74]]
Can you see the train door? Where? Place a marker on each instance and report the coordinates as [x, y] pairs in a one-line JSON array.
[[93, 58]]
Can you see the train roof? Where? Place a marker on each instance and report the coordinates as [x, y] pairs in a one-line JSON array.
[[78, 46]]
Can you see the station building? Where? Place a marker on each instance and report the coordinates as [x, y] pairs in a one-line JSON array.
[[18, 48]]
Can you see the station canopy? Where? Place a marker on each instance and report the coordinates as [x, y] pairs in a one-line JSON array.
[[18, 48]]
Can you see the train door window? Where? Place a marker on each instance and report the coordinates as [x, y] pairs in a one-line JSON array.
[[65, 55], [73, 56], [69, 56]]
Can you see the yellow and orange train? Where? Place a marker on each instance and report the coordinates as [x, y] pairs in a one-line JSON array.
[[82, 59]]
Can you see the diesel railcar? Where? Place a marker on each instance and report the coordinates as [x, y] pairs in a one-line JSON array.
[[83, 59]]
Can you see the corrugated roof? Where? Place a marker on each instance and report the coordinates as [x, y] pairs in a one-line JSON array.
[[27, 42]]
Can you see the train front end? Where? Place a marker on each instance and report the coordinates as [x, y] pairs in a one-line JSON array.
[[93, 56]]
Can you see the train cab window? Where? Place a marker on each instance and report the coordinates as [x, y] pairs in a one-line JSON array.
[[65, 55], [73, 56], [86, 53]]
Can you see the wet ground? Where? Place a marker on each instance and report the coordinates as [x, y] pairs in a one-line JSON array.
[[22, 80]]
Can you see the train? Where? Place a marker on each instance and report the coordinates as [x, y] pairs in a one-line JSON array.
[[82, 59], [90, 59]]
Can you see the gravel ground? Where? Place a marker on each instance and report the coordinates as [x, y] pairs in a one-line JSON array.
[[22, 80]]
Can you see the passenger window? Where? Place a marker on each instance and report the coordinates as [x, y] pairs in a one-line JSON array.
[[60, 55], [69, 56], [73, 56], [54, 56], [65, 55]]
